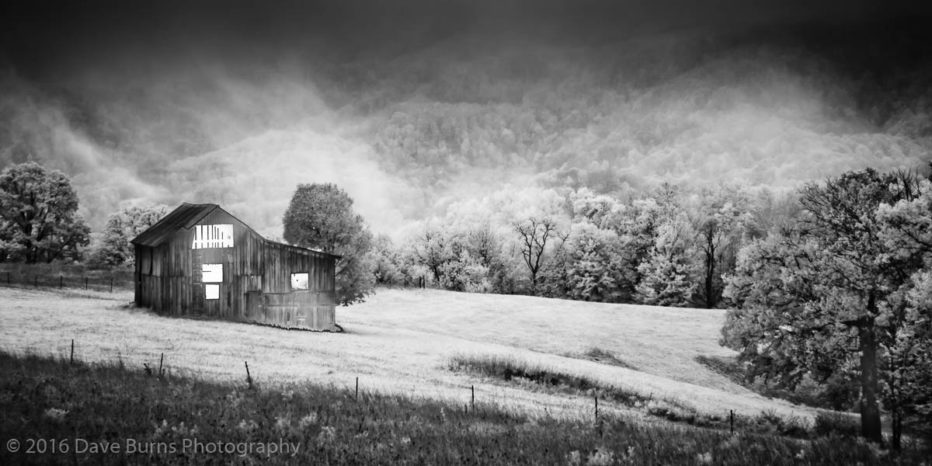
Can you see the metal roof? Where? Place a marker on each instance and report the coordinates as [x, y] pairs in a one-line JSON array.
[[187, 216]]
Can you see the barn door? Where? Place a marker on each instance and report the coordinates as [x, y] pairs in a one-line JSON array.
[[254, 305]]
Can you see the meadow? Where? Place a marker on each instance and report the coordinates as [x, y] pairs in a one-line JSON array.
[[410, 351], [112, 414]]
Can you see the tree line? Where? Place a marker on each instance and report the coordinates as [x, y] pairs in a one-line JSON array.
[[670, 246]]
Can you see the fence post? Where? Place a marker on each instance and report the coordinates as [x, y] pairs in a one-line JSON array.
[[596, 397], [472, 398], [161, 358], [248, 375], [731, 418], [72, 351], [357, 388]]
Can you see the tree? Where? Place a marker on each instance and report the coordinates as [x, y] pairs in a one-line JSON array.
[[534, 234], [597, 266], [115, 247], [666, 271], [717, 223], [321, 216], [386, 267], [38, 215], [432, 250], [819, 299], [908, 335]]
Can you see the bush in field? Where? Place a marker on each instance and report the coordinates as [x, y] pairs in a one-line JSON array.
[[115, 247], [321, 217], [38, 215]]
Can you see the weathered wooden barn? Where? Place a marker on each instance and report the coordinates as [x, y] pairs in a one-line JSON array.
[[201, 261]]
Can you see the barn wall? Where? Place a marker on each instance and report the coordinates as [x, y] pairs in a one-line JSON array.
[[256, 282]]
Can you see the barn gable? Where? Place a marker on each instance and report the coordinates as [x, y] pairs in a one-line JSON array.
[[201, 261]]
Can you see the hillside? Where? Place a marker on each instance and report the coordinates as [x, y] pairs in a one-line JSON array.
[[401, 342], [406, 126]]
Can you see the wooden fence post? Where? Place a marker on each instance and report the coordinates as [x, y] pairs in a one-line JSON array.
[[596, 397], [472, 398], [357, 388], [731, 417], [72, 351], [248, 376], [162, 358]]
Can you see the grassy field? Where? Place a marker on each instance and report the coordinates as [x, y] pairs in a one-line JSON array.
[[401, 342], [57, 412], [530, 361], [113, 414]]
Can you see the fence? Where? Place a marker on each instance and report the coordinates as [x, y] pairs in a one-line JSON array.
[[96, 280]]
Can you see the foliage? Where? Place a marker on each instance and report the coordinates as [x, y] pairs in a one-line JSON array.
[[825, 300], [598, 269], [321, 216], [115, 247], [38, 215], [386, 268], [719, 222], [53, 400]]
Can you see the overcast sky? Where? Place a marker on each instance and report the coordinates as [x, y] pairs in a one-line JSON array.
[[412, 105], [45, 37]]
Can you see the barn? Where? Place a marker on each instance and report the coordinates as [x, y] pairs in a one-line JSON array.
[[201, 261]]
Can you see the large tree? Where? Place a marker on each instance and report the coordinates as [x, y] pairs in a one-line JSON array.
[[321, 217], [819, 299], [115, 247], [39, 218]]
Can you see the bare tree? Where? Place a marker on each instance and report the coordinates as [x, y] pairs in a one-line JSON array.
[[534, 234]]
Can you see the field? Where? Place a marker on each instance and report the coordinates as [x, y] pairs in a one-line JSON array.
[[401, 342], [429, 349]]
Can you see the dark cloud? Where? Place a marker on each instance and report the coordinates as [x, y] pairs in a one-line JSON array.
[[43, 37]]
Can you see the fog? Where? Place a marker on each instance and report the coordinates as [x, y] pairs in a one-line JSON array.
[[413, 107]]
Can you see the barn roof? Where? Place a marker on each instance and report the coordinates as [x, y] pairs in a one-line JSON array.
[[187, 216]]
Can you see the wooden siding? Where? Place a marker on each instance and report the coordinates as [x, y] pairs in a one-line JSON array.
[[256, 281]]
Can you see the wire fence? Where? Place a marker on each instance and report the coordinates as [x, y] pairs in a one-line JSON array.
[[98, 280]]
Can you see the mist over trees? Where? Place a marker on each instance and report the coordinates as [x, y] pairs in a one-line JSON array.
[[403, 132]]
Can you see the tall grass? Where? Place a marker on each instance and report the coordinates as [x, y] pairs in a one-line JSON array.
[[511, 370], [46, 398]]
